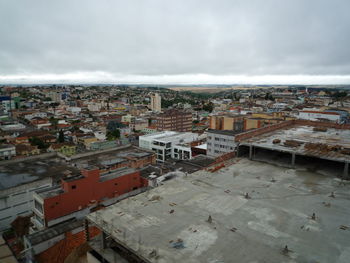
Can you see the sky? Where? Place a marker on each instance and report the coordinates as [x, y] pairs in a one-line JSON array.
[[175, 42]]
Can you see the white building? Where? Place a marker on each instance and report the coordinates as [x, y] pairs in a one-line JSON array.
[[156, 102], [313, 115], [7, 151], [18, 200], [35, 115], [220, 142], [13, 127], [169, 144]]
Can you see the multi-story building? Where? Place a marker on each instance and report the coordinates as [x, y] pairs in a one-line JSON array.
[[156, 102], [220, 142], [77, 195], [320, 115], [169, 144], [7, 151], [227, 122], [174, 120], [17, 199]]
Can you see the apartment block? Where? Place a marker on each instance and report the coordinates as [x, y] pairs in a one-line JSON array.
[[220, 142], [174, 120], [78, 195], [227, 122]]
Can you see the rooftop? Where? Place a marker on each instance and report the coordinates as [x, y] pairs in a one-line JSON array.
[[116, 173], [223, 132], [20, 172], [171, 223], [305, 135], [49, 233], [111, 157]]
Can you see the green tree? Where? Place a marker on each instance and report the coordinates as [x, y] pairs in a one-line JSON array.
[[60, 137], [208, 107], [113, 135], [35, 141], [54, 122]]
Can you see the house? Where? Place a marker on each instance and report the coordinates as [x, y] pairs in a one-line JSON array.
[[26, 150], [7, 151], [66, 148]]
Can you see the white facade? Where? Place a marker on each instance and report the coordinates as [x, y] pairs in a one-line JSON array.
[[35, 115], [18, 201], [7, 152], [316, 115], [169, 144], [13, 127], [156, 102], [220, 142]]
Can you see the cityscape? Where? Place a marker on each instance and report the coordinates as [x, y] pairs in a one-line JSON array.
[[197, 155]]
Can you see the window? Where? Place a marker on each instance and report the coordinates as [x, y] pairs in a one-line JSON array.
[[74, 187], [38, 206]]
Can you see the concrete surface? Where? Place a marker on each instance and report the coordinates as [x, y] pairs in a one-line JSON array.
[[277, 213], [304, 134]]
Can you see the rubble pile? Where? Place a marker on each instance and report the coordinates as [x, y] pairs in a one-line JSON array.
[[325, 148], [292, 143]]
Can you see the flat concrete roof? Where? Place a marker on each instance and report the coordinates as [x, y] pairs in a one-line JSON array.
[[110, 158], [21, 172], [170, 223], [304, 134]]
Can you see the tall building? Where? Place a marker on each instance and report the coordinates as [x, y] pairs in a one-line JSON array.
[[174, 120], [156, 102], [226, 122]]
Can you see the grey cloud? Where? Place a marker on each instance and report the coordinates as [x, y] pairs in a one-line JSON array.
[[251, 37]]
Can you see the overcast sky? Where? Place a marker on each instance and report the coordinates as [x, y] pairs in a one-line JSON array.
[[181, 41]]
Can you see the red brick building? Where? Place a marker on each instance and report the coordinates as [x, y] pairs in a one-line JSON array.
[[174, 120], [77, 195]]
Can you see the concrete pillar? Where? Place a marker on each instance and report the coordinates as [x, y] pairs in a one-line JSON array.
[[250, 152], [346, 170], [87, 232], [293, 160], [104, 241]]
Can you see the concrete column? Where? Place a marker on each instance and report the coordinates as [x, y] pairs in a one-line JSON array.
[[104, 241], [346, 170], [293, 159], [87, 232], [250, 152]]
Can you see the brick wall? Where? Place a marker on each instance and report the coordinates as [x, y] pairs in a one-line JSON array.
[[256, 132], [286, 124], [322, 124]]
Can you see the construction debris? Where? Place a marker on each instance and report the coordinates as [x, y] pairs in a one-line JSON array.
[[320, 129], [153, 253], [209, 220], [313, 217], [292, 143], [285, 250], [233, 229], [155, 198], [321, 147], [326, 204], [275, 141], [332, 195], [345, 151], [342, 227], [179, 244]]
